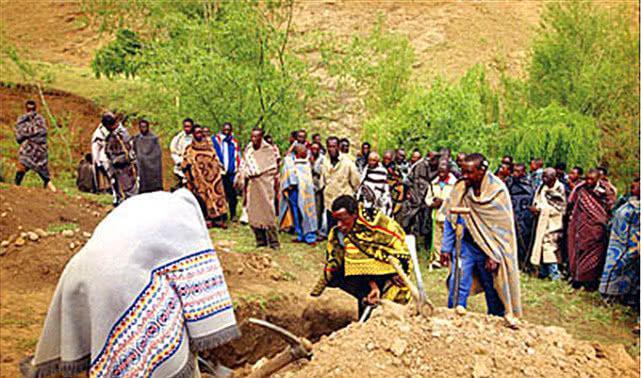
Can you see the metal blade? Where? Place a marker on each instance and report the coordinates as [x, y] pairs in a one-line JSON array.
[[411, 245]]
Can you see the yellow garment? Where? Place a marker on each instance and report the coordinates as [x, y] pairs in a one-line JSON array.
[[365, 251], [339, 179]]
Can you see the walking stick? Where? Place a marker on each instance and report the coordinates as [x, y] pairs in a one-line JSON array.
[[457, 252]]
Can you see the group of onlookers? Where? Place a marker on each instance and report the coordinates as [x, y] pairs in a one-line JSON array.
[[566, 224]]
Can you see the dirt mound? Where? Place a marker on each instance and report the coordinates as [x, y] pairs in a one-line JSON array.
[[25, 209], [450, 345]]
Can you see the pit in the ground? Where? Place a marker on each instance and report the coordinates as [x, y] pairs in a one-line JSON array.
[[309, 319]]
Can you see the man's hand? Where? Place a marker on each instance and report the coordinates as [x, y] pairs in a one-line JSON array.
[[374, 295], [398, 281], [445, 259], [491, 265], [436, 203], [534, 210]]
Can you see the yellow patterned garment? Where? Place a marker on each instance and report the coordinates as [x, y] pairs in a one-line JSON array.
[[365, 251]]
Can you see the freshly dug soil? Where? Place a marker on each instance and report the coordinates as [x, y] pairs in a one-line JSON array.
[[24, 209], [449, 345]]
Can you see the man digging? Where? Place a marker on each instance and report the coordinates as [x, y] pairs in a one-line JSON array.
[[359, 250], [143, 297]]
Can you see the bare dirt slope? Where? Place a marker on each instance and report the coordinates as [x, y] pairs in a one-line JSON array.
[[448, 36], [49, 31], [25, 209]]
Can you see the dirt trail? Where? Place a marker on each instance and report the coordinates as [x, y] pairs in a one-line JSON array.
[[453, 346]]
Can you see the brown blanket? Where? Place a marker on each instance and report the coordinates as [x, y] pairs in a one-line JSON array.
[[491, 224], [260, 169], [204, 176]]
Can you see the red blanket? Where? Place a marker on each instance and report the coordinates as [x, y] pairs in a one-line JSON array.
[[587, 234]]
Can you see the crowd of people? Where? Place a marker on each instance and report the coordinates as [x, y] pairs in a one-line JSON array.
[[161, 275], [563, 224]]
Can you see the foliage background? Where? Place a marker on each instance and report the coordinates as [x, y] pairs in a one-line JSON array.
[[230, 61]]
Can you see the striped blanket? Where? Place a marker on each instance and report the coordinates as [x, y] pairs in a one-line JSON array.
[[297, 174], [491, 224], [587, 233], [145, 293]]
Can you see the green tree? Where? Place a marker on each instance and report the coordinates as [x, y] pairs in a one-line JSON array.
[[585, 58], [225, 61], [459, 116], [555, 133], [119, 56]]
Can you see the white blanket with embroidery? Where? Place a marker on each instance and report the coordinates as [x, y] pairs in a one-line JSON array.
[[145, 293]]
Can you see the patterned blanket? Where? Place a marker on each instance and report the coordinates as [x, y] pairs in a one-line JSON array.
[[549, 227], [621, 272], [203, 174], [365, 251], [587, 233], [298, 173], [491, 224], [31, 134], [145, 293]]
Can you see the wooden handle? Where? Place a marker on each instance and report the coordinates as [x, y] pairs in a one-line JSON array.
[[279, 361], [406, 280]]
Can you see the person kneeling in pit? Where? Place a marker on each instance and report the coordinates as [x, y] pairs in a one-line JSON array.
[[358, 255]]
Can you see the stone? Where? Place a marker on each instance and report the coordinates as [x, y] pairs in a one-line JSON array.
[[72, 245], [5, 243], [482, 368], [86, 234], [4, 214], [67, 233], [370, 346], [436, 334], [33, 236], [398, 347], [404, 327], [19, 241], [530, 351], [23, 235], [42, 233]]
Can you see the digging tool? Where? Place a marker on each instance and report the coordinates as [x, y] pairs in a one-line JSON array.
[[423, 305], [457, 252], [299, 347], [217, 370], [366, 313], [411, 245]]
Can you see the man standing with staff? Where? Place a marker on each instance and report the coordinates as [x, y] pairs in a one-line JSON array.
[[486, 252]]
